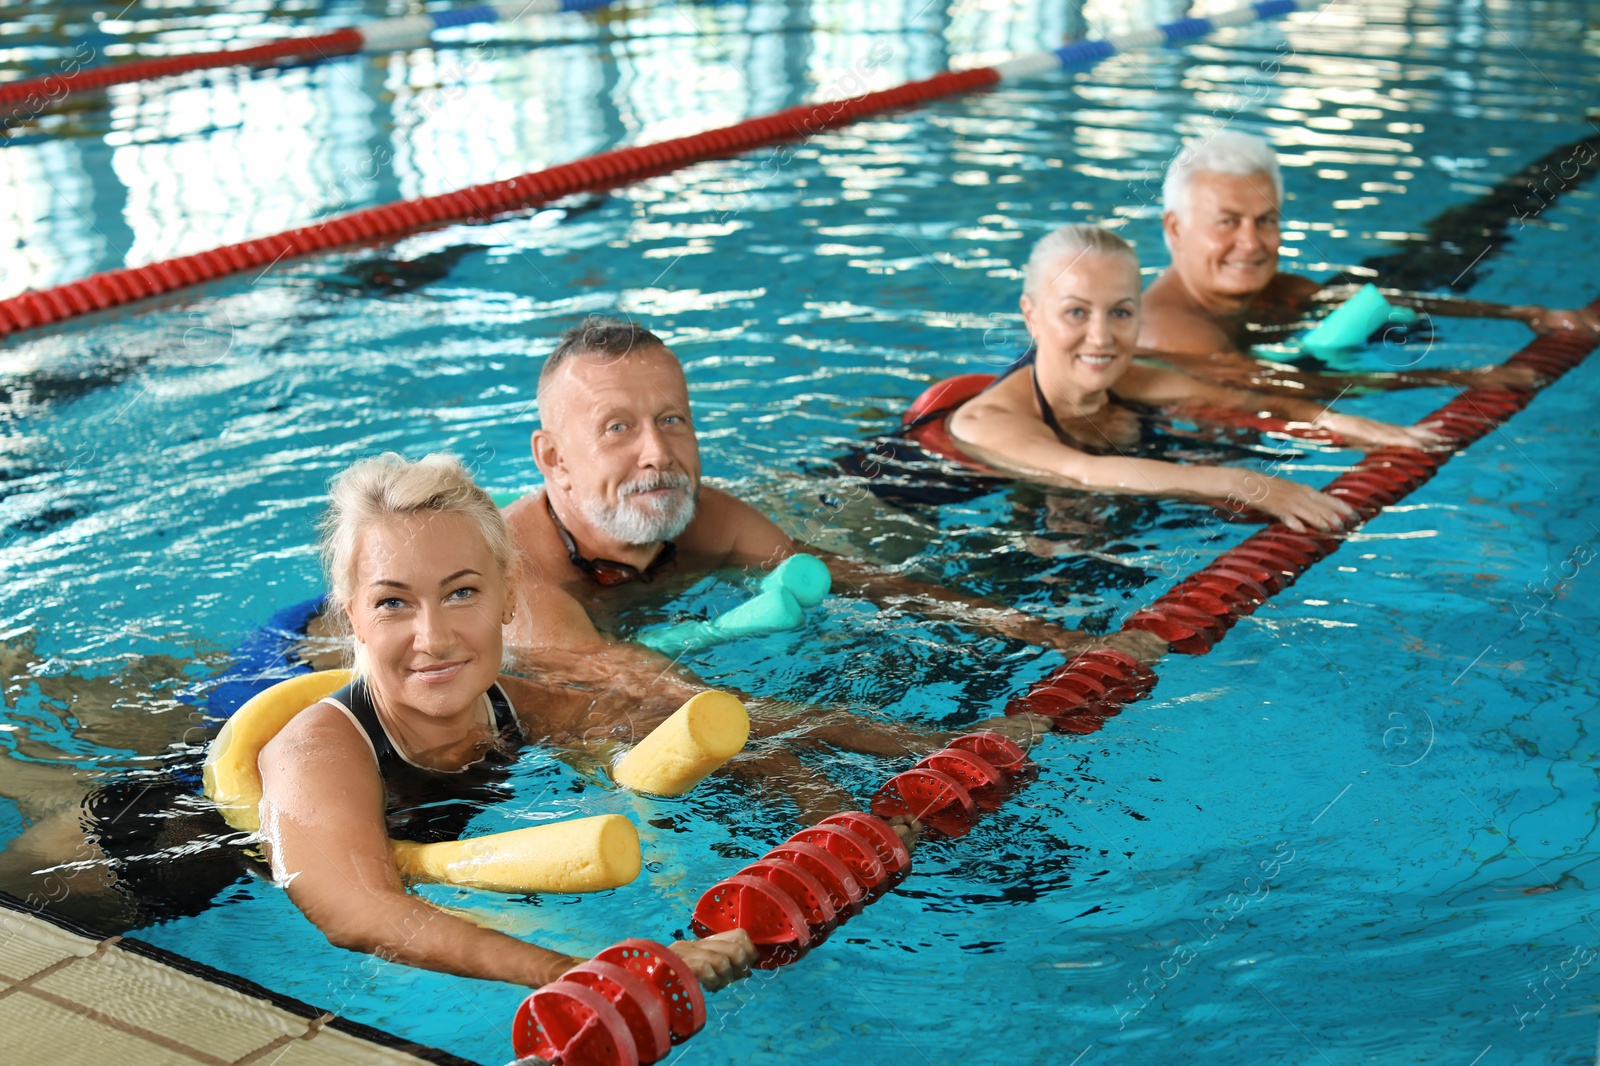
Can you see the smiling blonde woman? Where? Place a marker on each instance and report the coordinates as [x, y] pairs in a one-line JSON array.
[[420, 568]]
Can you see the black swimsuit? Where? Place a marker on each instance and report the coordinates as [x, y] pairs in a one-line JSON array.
[[432, 805], [172, 853], [1045, 412], [1029, 359]]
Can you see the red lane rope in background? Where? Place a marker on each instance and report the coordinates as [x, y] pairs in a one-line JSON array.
[[40, 94], [791, 899], [35, 95], [478, 202]]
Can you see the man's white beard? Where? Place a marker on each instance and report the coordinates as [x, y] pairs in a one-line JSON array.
[[634, 521]]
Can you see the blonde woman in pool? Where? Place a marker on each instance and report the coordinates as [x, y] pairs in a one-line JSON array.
[[1061, 415], [420, 564]]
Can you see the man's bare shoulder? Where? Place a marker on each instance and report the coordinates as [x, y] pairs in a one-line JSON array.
[[543, 558], [725, 526], [1168, 326], [1289, 290], [519, 514]]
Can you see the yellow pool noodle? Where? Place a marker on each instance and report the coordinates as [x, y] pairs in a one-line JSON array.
[[683, 751], [579, 855], [231, 775]]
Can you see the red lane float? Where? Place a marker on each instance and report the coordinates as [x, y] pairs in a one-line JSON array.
[[792, 898], [1193, 615], [669, 979], [632, 1001], [806, 889], [644, 1013], [983, 782], [932, 797], [567, 1022], [596, 172], [475, 203], [891, 850], [773, 919], [1089, 688], [855, 851], [622, 1006], [844, 891], [40, 94]]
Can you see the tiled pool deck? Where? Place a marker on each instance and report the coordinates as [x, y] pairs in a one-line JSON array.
[[67, 998]]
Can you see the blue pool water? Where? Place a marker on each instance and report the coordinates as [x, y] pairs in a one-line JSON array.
[[1358, 831]]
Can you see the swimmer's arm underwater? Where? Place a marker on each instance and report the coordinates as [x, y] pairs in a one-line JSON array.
[[1188, 339], [1537, 318], [601, 691], [584, 716], [323, 826], [780, 731], [846, 730], [596, 718], [556, 640], [1194, 343], [891, 591], [1229, 366], [759, 542], [1161, 387]]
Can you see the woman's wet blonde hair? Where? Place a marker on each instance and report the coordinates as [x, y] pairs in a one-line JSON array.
[[1071, 242], [390, 486]]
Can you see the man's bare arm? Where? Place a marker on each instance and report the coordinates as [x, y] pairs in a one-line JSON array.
[[1194, 344], [551, 636], [1537, 318], [758, 541], [1167, 387]]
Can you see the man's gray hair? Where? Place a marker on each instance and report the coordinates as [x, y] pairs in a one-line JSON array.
[[609, 338], [1069, 243], [1224, 152]]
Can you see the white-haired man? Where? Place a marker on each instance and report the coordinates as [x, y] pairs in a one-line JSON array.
[[1221, 202]]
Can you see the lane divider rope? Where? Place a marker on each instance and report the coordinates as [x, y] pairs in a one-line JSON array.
[[792, 898], [606, 170], [37, 95]]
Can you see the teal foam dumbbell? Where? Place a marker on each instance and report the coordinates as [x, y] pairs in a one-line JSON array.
[[798, 582], [1353, 321]]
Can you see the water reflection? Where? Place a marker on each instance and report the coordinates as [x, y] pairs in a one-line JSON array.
[[158, 500]]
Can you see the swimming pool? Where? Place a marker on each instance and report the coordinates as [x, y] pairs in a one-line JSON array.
[[1400, 738]]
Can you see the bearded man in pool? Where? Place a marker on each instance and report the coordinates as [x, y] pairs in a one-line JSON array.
[[1222, 198], [623, 513]]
